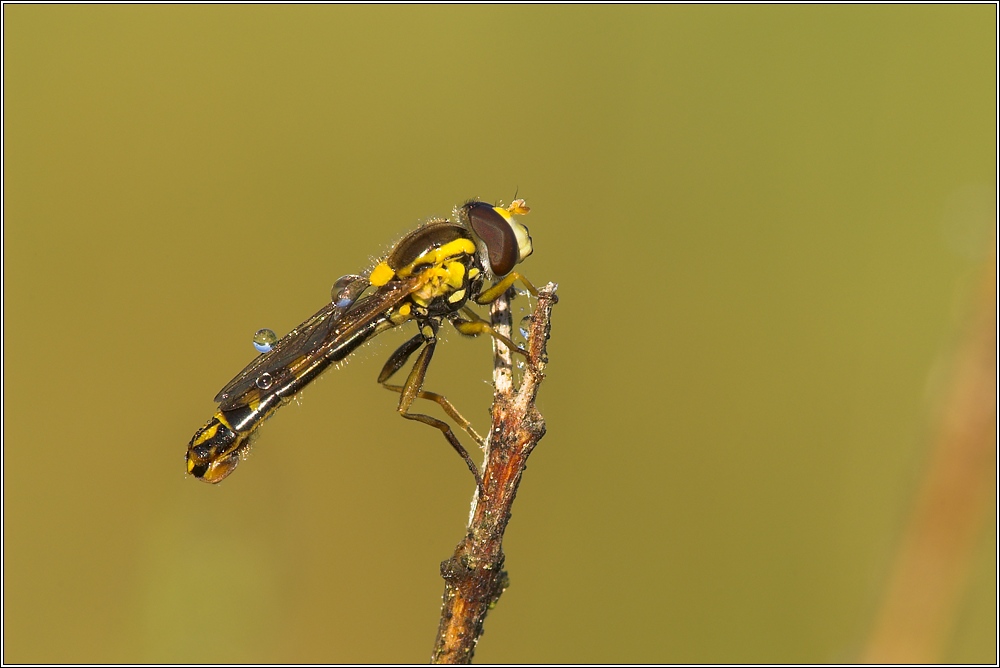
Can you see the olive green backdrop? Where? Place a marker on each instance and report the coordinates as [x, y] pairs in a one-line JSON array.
[[764, 223]]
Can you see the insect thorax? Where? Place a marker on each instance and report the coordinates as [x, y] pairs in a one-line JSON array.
[[442, 257]]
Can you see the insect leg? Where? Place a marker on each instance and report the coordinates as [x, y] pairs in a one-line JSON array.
[[398, 359], [410, 391], [492, 293], [396, 362], [475, 326]]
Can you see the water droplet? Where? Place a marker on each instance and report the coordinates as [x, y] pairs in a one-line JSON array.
[[264, 340], [265, 380], [347, 289], [524, 325]]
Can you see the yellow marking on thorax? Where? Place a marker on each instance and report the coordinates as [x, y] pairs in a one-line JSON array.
[[381, 274], [439, 281], [438, 255], [456, 274], [401, 315]]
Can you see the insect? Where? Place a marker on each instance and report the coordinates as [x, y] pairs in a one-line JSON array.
[[430, 276]]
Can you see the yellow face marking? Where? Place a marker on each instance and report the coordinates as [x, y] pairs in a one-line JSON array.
[[381, 274], [437, 256]]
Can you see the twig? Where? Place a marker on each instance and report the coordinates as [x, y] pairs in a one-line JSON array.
[[931, 569], [474, 576]]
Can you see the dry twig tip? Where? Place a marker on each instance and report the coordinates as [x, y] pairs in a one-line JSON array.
[[474, 576]]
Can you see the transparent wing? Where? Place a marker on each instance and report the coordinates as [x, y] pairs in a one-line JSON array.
[[314, 339], [301, 341]]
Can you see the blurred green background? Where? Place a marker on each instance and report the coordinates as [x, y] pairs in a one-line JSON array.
[[764, 222]]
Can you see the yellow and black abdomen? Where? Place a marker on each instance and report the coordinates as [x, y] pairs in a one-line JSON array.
[[268, 383], [215, 449]]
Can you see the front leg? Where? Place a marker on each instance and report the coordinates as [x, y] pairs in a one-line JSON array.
[[475, 326]]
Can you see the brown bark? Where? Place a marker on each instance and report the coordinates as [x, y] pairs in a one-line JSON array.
[[474, 576]]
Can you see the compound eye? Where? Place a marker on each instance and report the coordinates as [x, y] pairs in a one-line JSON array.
[[498, 235]]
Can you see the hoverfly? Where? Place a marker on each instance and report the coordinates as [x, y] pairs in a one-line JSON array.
[[430, 276]]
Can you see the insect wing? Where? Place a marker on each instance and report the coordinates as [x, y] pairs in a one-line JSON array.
[[299, 342], [321, 334]]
